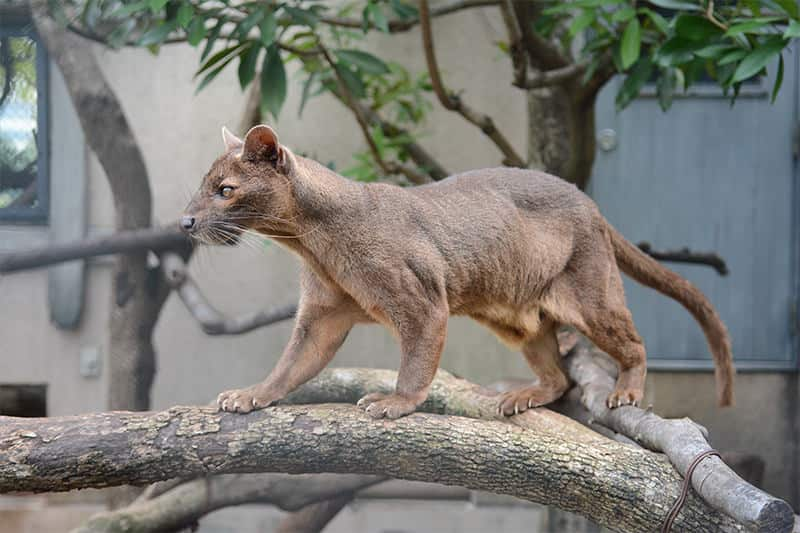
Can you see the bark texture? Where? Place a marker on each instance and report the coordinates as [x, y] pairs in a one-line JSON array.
[[681, 440], [561, 139], [558, 463]]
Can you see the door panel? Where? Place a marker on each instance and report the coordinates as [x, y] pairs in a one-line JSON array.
[[714, 178]]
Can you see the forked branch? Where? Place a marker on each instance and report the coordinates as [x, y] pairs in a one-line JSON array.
[[454, 103]]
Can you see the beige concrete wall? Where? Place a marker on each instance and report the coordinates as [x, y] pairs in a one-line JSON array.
[[180, 136]]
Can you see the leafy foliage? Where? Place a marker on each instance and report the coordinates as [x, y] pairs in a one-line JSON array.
[[670, 43], [681, 42]]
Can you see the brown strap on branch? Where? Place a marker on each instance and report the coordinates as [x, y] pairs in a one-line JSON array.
[[687, 483]]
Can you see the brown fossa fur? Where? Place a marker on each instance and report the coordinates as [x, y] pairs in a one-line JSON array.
[[520, 251]]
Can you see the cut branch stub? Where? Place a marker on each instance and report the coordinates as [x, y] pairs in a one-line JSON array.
[[681, 440]]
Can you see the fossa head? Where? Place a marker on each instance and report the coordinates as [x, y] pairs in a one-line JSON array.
[[248, 188]]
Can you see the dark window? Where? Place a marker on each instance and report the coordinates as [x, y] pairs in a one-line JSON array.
[[23, 400], [23, 123]]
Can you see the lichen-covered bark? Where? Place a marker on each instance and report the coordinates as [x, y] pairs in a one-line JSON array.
[[621, 487], [681, 440]]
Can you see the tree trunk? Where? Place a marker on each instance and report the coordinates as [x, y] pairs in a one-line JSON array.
[[137, 293], [561, 136]]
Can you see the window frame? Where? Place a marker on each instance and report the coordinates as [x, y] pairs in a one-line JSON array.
[[22, 26]]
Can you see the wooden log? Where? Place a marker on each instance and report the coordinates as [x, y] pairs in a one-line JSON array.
[[561, 463]]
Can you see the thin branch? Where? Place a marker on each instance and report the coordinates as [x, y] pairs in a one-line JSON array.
[[711, 18], [212, 321], [685, 255], [155, 239], [549, 78], [390, 167], [395, 26], [453, 102], [517, 52]]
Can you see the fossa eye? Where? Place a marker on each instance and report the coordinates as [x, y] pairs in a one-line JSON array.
[[226, 191]]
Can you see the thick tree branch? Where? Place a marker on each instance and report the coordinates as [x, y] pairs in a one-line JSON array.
[[107, 449], [212, 321], [681, 440], [542, 53], [454, 102]]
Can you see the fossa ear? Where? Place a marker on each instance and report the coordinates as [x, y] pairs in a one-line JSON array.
[[261, 144], [231, 141]]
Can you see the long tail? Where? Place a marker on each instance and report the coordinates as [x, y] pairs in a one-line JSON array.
[[650, 272]]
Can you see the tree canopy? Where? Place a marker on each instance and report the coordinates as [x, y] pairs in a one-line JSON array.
[[672, 43]]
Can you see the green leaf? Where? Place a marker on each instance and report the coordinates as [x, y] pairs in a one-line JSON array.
[[676, 51], [790, 7], [353, 82], [247, 64], [268, 27], [363, 60], [676, 5], [273, 82], [157, 5], [631, 44], [306, 91], [695, 28], [403, 10], [213, 74], [633, 83], [157, 35], [665, 88], [751, 26], [249, 22], [377, 16], [197, 30], [793, 30], [714, 51], [213, 38], [185, 14], [119, 36], [219, 56], [778, 80], [658, 21], [733, 56], [624, 14], [756, 60], [302, 16], [581, 22], [124, 11]]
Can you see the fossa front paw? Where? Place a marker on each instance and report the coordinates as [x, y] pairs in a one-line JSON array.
[[246, 400], [391, 406]]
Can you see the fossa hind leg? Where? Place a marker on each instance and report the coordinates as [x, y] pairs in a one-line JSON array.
[[543, 356], [611, 328]]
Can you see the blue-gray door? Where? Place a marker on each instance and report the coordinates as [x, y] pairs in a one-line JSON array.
[[714, 178]]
